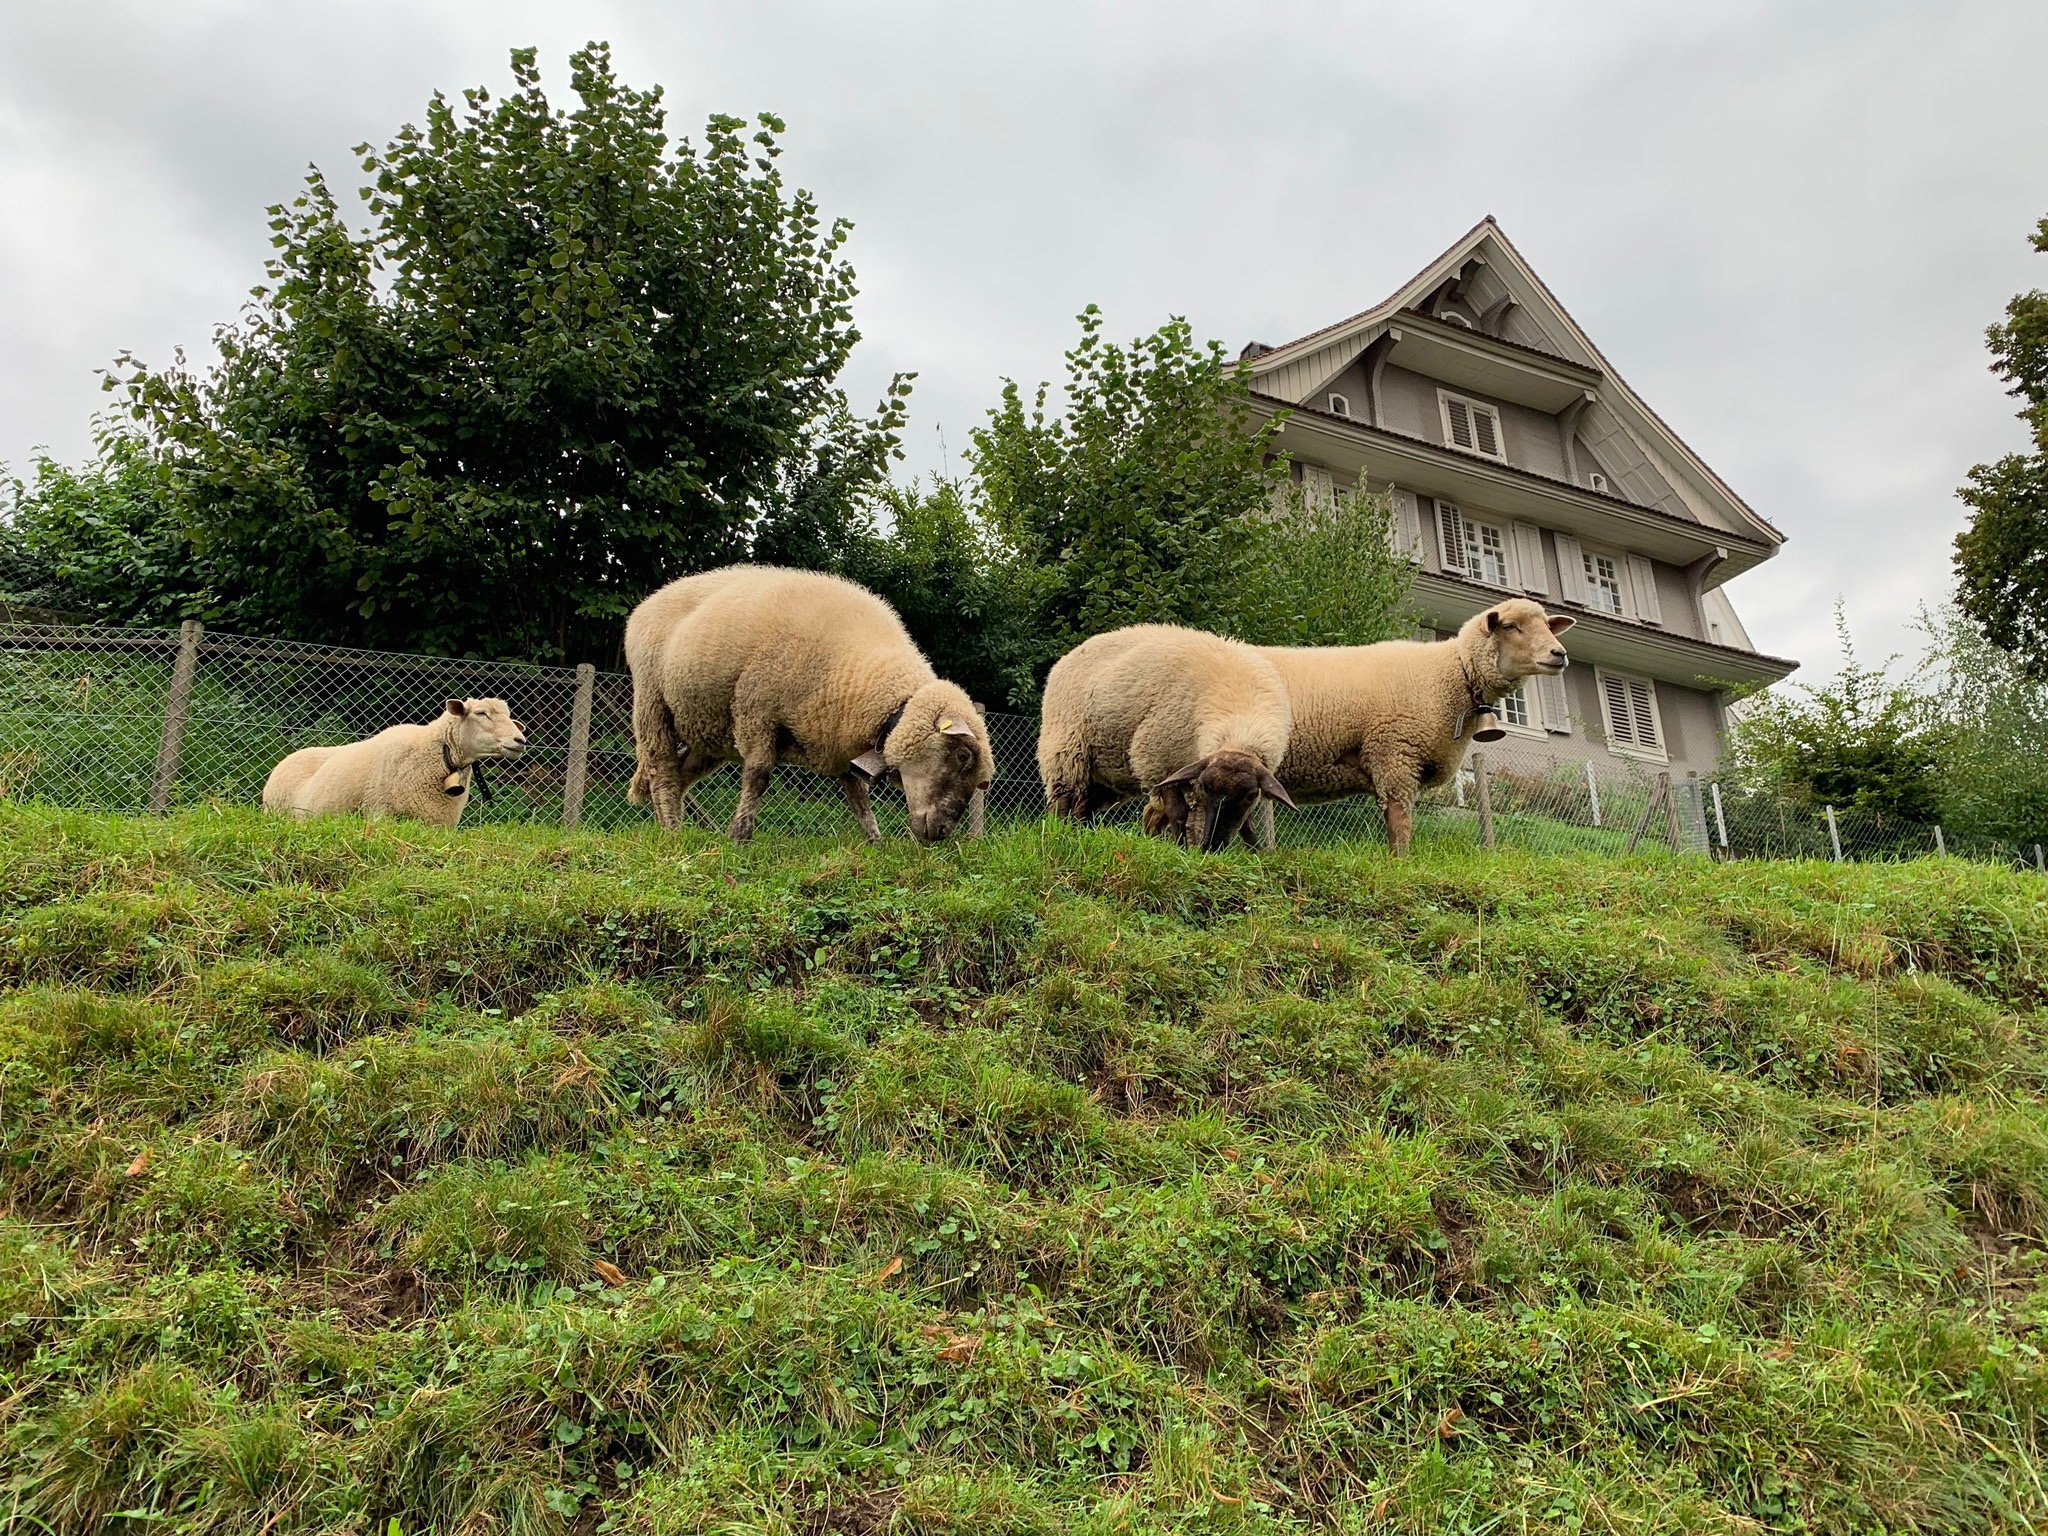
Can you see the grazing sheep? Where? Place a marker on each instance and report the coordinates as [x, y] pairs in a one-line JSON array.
[[1194, 719], [769, 665], [420, 771], [1393, 718]]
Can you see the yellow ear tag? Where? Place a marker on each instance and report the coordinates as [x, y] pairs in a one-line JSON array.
[[946, 724]]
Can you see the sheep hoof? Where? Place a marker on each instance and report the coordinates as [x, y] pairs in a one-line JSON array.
[[742, 831]]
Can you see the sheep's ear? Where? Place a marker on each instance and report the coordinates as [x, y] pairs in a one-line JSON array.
[[870, 765], [1560, 622], [1185, 775], [949, 726], [1276, 790], [1492, 619], [456, 707]]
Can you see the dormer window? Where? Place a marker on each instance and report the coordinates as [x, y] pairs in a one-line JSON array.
[[1597, 481], [1471, 425], [1340, 405]]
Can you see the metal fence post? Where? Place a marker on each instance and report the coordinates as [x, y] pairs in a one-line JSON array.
[[576, 776], [1720, 821], [1940, 842], [1267, 836], [1593, 791], [177, 703], [1834, 834], [1670, 813], [1485, 796]]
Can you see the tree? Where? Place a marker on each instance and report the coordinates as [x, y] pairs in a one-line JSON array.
[[1992, 771], [1321, 575], [1132, 505], [2002, 557], [568, 360]]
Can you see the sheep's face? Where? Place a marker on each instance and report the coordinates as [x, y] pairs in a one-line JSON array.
[[1523, 639], [1222, 791], [939, 752], [484, 728]]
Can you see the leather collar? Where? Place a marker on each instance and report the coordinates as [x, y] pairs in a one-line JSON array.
[[476, 775]]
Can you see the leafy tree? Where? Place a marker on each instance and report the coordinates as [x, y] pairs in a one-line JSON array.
[[1866, 742], [98, 542], [2002, 557], [1992, 769], [569, 360], [1132, 504], [1321, 575]]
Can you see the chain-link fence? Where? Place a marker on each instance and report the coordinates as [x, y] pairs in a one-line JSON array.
[[147, 720]]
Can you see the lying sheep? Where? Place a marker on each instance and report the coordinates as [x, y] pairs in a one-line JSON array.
[[769, 665], [419, 771], [1393, 718], [1194, 719]]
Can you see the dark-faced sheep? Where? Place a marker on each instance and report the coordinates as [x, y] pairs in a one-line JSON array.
[[1394, 718], [1195, 721], [771, 666]]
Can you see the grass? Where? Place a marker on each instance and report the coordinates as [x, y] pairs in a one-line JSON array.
[[369, 1178]]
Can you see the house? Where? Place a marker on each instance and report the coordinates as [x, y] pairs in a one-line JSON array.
[[1517, 461]]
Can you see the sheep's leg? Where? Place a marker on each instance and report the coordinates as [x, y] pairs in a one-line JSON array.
[[690, 766], [855, 788], [1400, 810], [754, 776], [655, 745]]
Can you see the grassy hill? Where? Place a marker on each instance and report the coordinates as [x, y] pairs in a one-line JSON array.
[[372, 1179]]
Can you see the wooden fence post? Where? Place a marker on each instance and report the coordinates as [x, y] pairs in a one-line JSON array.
[[1671, 827], [1834, 834], [576, 776], [1940, 842], [1485, 796], [1649, 810], [177, 703], [2040, 864], [1267, 836]]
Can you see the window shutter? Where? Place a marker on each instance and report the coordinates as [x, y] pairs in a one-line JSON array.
[[1643, 700], [1529, 556], [1318, 488], [1450, 537], [1552, 708], [1631, 704], [1406, 526], [1486, 431], [1458, 423], [1642, 580], [1571, 569], [1621, 725]]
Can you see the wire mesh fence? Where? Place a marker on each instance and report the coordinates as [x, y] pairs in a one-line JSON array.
[[150, 720]]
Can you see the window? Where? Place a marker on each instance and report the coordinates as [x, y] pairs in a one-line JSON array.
[[1629, 705], [1597, 481], [1603, 582], [1472, 548], [1340, 405], [1318, 488], [1514, 709], [1470, 425]]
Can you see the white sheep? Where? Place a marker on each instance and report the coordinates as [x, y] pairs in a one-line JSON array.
[[1393, 718], [768, 665], [1197, 721], [418, 771]]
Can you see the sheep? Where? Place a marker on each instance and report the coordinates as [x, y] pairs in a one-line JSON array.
[[417, 771], [1393, 718], [1194, 719], [768, 665]]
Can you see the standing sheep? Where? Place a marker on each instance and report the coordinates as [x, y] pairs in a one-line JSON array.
[[1393, 718], [1197, 720], [420, 771], [769, 665]]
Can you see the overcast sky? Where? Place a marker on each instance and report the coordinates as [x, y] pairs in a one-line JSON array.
[[1786, 225]]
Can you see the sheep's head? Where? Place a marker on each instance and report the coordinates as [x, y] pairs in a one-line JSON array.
[[483, 728], [1224, 787], [1514, 640], [939, 753]]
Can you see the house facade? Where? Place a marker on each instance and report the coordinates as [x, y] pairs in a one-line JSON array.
[[1518, 462]]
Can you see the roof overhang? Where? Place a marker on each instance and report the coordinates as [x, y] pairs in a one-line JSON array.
[[1467, 359], [1391, 458], [1603, 640]]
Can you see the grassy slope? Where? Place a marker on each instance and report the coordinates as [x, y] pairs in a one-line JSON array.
[[1058, 1183]]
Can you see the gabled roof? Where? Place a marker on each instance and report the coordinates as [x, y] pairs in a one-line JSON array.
[[1565, 341]]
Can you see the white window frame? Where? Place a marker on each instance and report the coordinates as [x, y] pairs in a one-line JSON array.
[[1510, 574], [1661, 753], [1595, 481], [1624, 604], [1473, 409], [1532, 710], [1340, 405]]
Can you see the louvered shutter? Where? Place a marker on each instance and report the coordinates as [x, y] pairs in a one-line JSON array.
[[1318, 488], [1551, 705], [1458, 423], [1571, 569], [1486, 432], [1406, 526], [1450, 537], [1529, 556], [1643, 701], [1642, 580], [1621, 724]]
